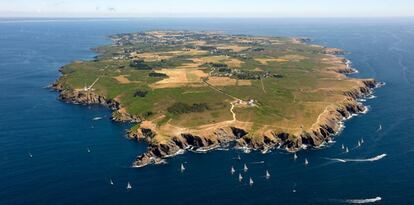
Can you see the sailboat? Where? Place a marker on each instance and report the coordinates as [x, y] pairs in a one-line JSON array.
[[295, 156], [346, 150], [245, 168], [267, 174], [88, 150], [359, 143], [240, 177], [30, 155], [232, 170], [111, 182], [362, 140], [251, 181], [182, 168], [306, 161], [238, 157], [343, 147], [379, 128], [129, 186]]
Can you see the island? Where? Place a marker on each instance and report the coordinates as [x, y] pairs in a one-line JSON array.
[[199, 91]]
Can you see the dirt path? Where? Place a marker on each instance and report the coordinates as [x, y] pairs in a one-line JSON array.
[[263, 88], [232, 111]]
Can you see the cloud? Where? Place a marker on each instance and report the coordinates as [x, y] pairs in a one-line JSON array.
[[111, 9]]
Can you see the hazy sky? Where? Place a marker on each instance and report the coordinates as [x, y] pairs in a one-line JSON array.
[[206, 8]]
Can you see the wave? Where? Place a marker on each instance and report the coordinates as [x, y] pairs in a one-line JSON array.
[[259, 162], [97, 118], [363, 201], [376, 158]]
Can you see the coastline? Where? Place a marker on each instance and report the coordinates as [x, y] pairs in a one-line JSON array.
[[329, 124]]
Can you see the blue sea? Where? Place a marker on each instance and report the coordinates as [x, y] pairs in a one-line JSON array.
[[58, 135]]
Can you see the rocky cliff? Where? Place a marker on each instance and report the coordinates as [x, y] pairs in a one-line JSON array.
[[329, 124]]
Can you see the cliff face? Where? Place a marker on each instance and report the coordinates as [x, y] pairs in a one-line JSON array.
[[328, 125], [88, 97], [220, 137]]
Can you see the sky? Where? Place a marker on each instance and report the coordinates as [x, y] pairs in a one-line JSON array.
[[206, 8]]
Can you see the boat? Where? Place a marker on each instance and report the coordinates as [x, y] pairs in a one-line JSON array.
[[251, 181], [238, 157], [88, 150], [240, 177], [245, 168], [295, 156], [343, 147], [306, 161], [111, 182], [30, 155], [232, 170], [359, 143], [347, 150], [379, 128], [97, 118], [362, 140], [129, 186], [182, 168], [267, 174]]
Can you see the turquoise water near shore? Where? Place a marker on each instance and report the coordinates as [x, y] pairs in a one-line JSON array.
[[58, 135]]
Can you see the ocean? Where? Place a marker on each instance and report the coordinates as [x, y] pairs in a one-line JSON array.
[[44, 142]]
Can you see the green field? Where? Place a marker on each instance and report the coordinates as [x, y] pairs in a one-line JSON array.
[[273, 83]]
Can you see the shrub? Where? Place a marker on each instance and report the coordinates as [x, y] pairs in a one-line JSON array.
[[179, 108], [140, 65], [140, 93], [157, 75]]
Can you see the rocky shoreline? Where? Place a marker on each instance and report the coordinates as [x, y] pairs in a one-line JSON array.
[[328, 125]]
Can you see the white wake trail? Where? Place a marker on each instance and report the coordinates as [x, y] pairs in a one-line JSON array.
[[363, 201], [376, 158]]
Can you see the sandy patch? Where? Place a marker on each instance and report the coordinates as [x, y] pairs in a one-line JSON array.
[[244, 82], [222, 81], [232, 62], [180, 77], [122, 79], [265, 61], [235, 48], [294, 57]]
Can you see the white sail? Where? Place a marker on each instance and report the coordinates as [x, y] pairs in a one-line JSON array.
[[359, 143], [251, 181], [362, 140], [111, 182], [343, 147], [182, 167], [88, 150], [379, 128], [306, 161], [267, 174], [240, 177], [129, 186], [245, 168], [295, 156], [347, 150], [30, 155], [238, 157], [232, 170]]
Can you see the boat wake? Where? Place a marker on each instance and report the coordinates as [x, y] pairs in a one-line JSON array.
[[376, 158], [363, 201], [259, 162]]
